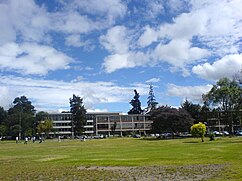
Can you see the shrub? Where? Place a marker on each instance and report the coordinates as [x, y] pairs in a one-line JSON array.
[[211, 136], [198, 130]]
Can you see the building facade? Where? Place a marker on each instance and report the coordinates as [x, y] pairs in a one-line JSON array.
[[62, 124], [222, 121], [102, 123]]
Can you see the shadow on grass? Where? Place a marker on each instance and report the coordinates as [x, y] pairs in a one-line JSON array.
[[192, 142], [155, 139]]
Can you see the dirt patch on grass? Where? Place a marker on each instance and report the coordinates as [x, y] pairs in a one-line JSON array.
[[166, 173]]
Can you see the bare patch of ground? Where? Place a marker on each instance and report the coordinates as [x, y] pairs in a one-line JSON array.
[[162, 173]]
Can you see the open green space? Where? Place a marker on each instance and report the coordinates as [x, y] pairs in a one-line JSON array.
[[100, 159]]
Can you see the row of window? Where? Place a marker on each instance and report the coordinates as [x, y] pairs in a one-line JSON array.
[[124, 126], [61, 124]]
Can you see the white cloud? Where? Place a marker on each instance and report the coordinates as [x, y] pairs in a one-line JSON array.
[[116, 41], [129, 60], [228, 66], [175, 6], [193, 93], [115, 62], [149, 36], [76, 41], [153, 80], [112, 9], [26, 20], [155, 8], [72, 22], [5, 97], [179, 52], [53, 95], [210, 28], [30, 58]]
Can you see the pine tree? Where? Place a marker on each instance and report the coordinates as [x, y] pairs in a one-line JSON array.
[[151, 100], [135, 102], [78, 112]]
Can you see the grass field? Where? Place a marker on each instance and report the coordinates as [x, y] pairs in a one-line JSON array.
[[123, 159]]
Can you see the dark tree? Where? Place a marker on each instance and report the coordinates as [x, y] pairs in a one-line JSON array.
[[135, 102], [152, 104], [113, 127], [40, 117], [78, 112], [3, 119], [168, 119], [21, 116], [193, 109], [3, 115]]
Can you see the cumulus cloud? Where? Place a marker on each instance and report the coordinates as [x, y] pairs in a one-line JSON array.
[[27, 20], [112, 9], [53, 95], [5, 97], [179, 52], [193, 93], [227, 66], [116, 40], [191, 37], [149, 36], [31, 58]]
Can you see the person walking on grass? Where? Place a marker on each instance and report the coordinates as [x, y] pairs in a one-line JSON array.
[[26, 140]]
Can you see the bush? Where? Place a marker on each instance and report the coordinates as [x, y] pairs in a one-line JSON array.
[[211, 137], [199, 130]]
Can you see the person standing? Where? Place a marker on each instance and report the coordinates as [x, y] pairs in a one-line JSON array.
[[26, 140], [16, 139], [40, 139], [34, 138]]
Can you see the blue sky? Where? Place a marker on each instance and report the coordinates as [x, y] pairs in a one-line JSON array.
[[102, 50]]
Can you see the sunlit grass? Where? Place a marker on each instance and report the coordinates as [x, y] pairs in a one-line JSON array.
[[52, 160]]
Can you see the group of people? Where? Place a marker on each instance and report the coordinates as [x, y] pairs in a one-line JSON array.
[[26, 139]]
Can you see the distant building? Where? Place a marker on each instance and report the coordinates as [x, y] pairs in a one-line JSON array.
[[62, 124], [102, 123], [220, 121]]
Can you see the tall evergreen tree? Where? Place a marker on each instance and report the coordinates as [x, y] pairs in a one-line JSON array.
[[78, 112], [3, 119], [193, 109], [21, 117], [135, 102], [151, 100]]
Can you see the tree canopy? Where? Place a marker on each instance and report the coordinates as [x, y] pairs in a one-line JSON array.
[[194, 110], [78, 112], [136, 104], [168, 119], [21, 117], [151, 102], [45, 127], [226, 97], [225, 94], [198, 130]]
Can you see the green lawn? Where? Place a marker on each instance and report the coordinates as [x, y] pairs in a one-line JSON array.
[[52, 160]]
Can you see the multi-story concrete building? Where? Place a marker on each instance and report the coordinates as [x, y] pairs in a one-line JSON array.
[[122, 124], [221, 121], [62, 124], [102, 123]]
